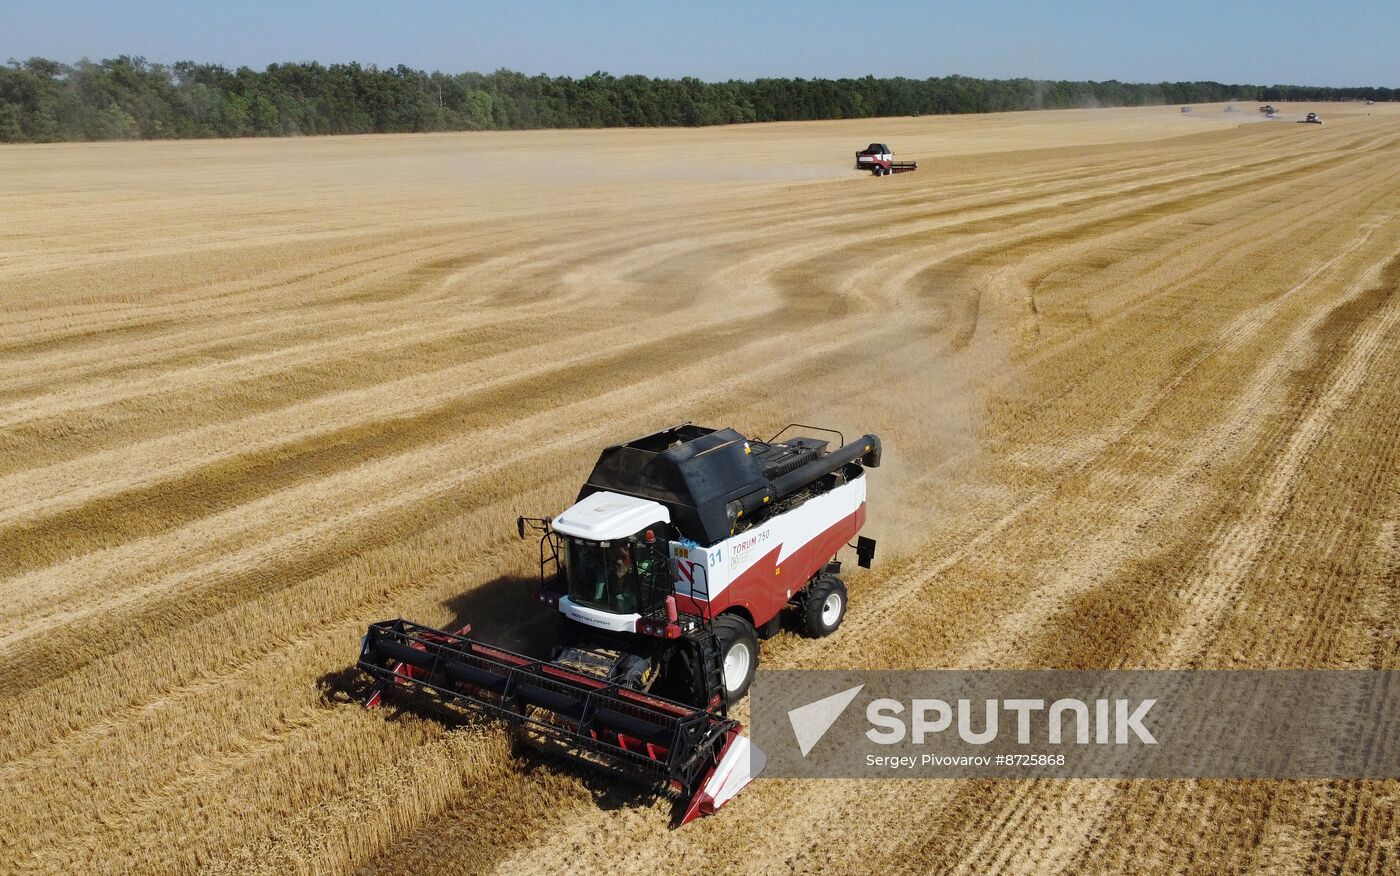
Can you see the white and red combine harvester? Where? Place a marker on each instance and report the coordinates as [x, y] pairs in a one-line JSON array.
[[879, 160], [684, 549]]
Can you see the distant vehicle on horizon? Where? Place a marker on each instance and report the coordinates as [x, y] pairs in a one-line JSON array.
[[879, 160]]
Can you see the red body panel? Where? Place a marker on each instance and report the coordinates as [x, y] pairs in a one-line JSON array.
[[767, 585]]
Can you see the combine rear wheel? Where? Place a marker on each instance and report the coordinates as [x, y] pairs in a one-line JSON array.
[[825, 606], [738, 648]]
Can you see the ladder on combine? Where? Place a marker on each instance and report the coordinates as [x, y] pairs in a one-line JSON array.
[[711, 667], [707, 647]]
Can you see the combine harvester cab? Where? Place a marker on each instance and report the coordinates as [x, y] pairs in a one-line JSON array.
[[685, 547], [879, 160]]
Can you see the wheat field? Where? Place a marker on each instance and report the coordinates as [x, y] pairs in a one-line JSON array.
[[1137, 375]]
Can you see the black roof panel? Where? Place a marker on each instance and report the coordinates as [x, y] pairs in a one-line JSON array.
[[694, 471]]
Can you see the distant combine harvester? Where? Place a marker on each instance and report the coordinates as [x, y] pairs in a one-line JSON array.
[[879, 160]]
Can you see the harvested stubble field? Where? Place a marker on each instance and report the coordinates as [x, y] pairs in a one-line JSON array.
[[1138, 377]]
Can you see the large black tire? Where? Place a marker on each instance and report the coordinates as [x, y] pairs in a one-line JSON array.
[[824, 608], [738, 650]]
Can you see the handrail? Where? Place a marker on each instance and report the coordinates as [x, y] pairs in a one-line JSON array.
[[839, 436]]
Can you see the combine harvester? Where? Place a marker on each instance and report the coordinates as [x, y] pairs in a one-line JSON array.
[[1310, 119], [879, 160], [683, 550]]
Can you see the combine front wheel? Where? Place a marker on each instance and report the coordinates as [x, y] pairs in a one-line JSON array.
[[738, 648]]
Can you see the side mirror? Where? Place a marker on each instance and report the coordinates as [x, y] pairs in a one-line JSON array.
[[865, 551], [538, 524]]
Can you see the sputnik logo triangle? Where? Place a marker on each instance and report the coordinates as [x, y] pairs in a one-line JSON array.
[[810, 722]]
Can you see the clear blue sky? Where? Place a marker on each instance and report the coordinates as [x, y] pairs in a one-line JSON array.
[[1280, 41]]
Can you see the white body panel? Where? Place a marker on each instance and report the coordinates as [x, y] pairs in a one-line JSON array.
[[604, 516], [705, 572], [603, 620]]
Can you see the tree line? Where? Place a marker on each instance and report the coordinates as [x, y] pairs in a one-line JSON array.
[[130, 98]]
